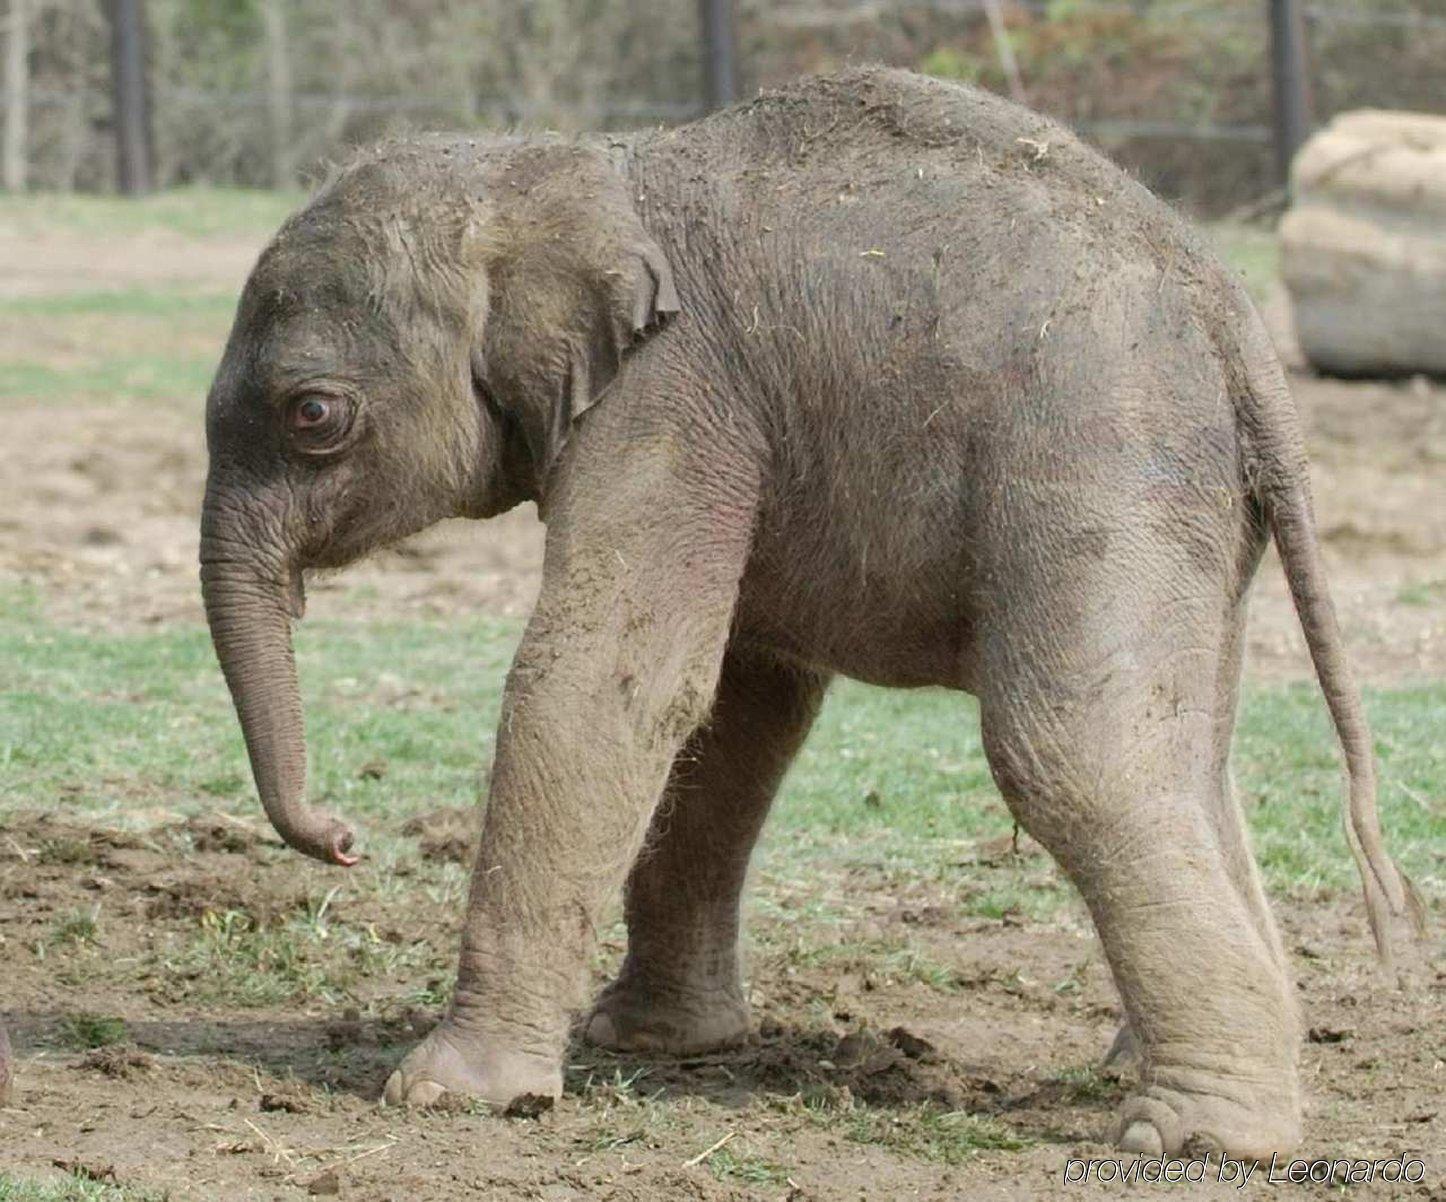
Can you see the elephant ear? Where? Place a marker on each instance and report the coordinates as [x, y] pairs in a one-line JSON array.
[[574, 284]]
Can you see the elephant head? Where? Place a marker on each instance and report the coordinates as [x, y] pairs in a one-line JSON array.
[[415, 344]]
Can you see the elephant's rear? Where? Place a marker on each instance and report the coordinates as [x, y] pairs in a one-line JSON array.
[[932, 296]]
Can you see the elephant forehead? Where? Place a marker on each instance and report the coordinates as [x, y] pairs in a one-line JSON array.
[[310, 272]]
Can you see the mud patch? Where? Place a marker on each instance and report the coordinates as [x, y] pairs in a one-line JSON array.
[[447, 834]]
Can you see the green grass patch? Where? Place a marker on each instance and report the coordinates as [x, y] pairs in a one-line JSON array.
[[233, 959], [729, 1165], [927, 1132], [93, 1031], [111, 379], [76, 928], [894, 780], [1087, 1083], [1423, 593], [109, 348], [72, 1188], [151, 302], [197, 212], [1253, 252], [95, 722]]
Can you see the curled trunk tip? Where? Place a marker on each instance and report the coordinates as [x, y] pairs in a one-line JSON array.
[[248, 610]]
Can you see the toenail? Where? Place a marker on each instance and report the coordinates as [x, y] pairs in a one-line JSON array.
[[1141, 1138]]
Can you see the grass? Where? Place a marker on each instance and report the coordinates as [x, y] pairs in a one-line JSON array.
[[130, 346], [927, 1132], [232, 959], [747, 1167], [196, 212], [1253, 252], [893, 779], [74, 1187], [94, 1030], [166, 303], [111, 379], [1423, 593]]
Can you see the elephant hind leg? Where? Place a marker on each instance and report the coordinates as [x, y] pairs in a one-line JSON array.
[[1102, 739], [1228, 820], [679, 990], [1226, 812]]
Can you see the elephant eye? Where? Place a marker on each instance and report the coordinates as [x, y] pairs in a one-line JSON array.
[[312, 412], [317, 423]]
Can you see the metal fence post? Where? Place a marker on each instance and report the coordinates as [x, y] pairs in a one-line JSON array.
[[132, 110], [1290, 82], [720, 53], [17, 97]]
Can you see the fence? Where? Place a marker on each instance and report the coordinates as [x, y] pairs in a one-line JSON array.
[[258, 91]]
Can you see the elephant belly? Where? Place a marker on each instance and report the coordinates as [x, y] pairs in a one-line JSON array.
[[874, 617]]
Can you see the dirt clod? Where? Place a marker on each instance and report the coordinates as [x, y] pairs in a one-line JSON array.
[[529, 1106], [287, 1102], [913, 1046], [325, 1184], [88, 1170], [446, 833], [121, 1061], [223, 835]]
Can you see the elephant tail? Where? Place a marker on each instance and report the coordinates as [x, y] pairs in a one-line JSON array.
[[1276, 465]]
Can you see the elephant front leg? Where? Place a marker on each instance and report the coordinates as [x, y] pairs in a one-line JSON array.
[[679, 990], [618, 667]]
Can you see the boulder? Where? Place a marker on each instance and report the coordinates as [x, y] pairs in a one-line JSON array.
[[1363, 246]]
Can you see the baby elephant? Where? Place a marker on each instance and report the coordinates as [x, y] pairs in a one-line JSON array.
[[874, 375]]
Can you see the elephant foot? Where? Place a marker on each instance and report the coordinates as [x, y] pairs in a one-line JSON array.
[[453, 1061], [1163, 1121], [630, 1017]]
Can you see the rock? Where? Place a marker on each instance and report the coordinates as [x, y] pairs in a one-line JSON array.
[[1363, 247]]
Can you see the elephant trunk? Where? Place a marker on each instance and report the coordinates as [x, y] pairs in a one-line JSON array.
[[250, 619]]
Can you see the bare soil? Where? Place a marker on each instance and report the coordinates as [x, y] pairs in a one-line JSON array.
[[98, 511], [211, 1102]]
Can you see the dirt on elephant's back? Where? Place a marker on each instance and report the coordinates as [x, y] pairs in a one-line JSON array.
[[190, 1031]]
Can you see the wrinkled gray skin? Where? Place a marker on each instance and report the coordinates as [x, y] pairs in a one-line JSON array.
[[874, 376]]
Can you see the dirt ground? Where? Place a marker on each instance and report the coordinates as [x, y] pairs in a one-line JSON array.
[[98, 508], [265, 1103]]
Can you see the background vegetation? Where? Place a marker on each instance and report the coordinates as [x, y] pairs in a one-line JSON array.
[[256, 92]]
